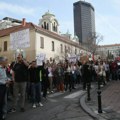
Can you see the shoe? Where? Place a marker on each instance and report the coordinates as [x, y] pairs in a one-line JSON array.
[[40, 104], [12, 110], [70, 89], [22, 109], [52, 92], [44, 98], [73, 88], [3, 118], [34, 106]]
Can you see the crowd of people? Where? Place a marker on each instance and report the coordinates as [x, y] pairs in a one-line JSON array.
[[33, 82]]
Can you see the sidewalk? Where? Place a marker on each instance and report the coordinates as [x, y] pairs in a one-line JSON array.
[[110, 102]]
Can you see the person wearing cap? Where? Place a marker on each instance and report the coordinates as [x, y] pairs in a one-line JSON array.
[[3, 83]]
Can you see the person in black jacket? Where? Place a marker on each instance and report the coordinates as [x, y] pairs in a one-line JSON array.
[[20, 77], [85, 74], [35, 80]]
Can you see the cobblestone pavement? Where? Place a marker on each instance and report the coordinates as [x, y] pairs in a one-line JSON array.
[[110, 101]]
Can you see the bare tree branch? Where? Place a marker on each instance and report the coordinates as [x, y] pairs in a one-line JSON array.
[[92, 42]]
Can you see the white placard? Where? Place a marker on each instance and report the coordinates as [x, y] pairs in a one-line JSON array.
[[118, 63], [39, 62], [40, 58], [72, 59], [20, 39]]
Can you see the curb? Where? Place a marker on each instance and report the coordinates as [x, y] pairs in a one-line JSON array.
[[85, 107]]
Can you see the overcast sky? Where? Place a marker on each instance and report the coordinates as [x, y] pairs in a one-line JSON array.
[[107, 14]]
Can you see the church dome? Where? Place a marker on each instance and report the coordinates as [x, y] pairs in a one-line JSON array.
[[48, 14], [49, 22], [75, 38]]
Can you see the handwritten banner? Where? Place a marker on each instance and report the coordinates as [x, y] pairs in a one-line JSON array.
[[40, 58], [20, 39]]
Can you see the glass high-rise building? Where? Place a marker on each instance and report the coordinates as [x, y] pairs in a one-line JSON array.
[[84, 20]]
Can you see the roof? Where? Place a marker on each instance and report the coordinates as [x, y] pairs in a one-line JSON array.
[[6, 32], [84, 3], [112, 45], [48, 14], [12, 19]]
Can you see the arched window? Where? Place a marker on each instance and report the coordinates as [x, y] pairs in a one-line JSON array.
[[54, 27], [53, 46], [61, 48], [47, 26]]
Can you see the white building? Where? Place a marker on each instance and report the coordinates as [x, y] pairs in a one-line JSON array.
[[113, 49], [9, 22], [42, 40], [49, 22]]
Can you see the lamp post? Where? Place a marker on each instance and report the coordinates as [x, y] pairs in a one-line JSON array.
[[88, 91], [99, 98]]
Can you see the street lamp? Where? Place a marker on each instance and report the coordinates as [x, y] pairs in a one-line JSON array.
[[99, 97]]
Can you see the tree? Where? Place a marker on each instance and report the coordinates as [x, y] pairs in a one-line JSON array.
[[110, 56], [92, 41]]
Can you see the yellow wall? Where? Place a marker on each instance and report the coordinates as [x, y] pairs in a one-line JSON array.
[[30, 52]]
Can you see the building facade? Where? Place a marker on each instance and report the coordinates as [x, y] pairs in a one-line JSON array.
[[49, 22], [84, 20], [109, 51], [43, 38], [9, 22], [41, 41]]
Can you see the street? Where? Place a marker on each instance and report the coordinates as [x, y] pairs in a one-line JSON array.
[[59, 106]]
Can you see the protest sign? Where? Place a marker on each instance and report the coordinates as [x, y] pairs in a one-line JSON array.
[[40, 58], [20, 39], [72, 58]]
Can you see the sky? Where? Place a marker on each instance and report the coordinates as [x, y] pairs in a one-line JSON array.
[[107, 15]]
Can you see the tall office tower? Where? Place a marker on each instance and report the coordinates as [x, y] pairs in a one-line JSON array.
[[84, 20]]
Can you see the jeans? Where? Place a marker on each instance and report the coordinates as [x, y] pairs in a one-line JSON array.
[[2, 99], [36, 92]]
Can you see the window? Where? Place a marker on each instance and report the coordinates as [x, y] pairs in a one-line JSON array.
[[41, 42], [45, 26], [5, 45], [65, 48], [53, 46], [61, 48], [54, 27], [75, 51]]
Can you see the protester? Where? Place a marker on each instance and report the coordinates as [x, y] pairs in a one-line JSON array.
[[4, 81], [35, 80], [59, 72], [20, 76], [45, 81], [50, 77], [85, 74], [101, 73]]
